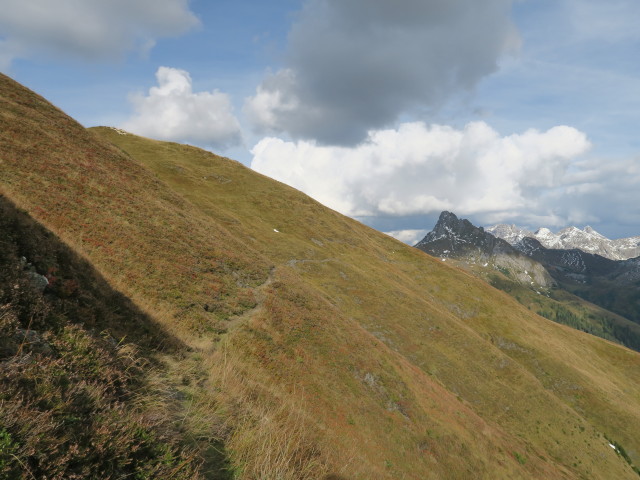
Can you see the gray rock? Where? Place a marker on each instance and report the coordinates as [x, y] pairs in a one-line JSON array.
[[39, 282]]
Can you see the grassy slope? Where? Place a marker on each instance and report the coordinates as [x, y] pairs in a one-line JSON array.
[[345, 350], [395, 292], [76, 400], [560, 305]]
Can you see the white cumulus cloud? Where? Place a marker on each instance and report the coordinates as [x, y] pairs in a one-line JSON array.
[[88, 29], [410, 237], [419, 169], [173, 111]]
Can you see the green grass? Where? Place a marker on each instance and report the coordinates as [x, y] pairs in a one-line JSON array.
[[563, 307], [413, 304]]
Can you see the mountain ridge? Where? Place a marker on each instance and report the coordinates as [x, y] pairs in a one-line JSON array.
[[587, 240], [458, 238]]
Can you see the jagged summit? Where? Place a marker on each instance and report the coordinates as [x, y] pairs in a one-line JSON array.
[[510, 233], [460, 239], [454, 231], [452, 235]]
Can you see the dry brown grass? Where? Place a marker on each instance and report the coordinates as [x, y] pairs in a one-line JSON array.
[[269, 435]]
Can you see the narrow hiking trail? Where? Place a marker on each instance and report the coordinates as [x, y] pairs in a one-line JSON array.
[[187, 386], [260, 295]]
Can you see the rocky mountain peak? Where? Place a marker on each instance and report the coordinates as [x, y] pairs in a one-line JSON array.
[[460, 239], [543, 232], [451, 234], [448, 224], [511, 233]]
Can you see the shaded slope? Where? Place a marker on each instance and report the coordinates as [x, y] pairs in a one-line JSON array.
[[74, 367], [612, 284], [563, 307], [363, 357]]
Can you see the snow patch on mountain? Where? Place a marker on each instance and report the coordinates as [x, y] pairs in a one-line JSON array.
[[588, 240]]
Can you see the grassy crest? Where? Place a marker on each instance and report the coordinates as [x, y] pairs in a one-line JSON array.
[[317, 347]]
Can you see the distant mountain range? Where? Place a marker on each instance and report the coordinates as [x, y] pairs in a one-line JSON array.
[[587, 240], [572, 257], [574, 263]]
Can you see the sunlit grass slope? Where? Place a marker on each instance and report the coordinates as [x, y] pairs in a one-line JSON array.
[[473, 339], [559, 305], [321, 346], [113, 209]]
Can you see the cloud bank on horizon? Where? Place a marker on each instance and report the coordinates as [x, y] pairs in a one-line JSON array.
[[419, 168], [389, 112], [349, 75]]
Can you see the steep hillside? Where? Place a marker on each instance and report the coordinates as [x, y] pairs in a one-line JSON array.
[[321, 347]]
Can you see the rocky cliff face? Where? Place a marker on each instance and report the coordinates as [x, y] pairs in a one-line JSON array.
[[460, 239], [579, 266], [587, 240]]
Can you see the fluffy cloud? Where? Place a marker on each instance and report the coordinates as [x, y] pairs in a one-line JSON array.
[[88, 29], [410, 237], [172, 111], [604, 193], [419, 169], [354, 65]]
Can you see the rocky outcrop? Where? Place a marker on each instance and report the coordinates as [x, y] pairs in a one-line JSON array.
[[524, 257]]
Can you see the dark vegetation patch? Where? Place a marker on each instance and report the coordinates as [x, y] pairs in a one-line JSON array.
[[619, 298], [623, 453], [74, 355], [560, 309]]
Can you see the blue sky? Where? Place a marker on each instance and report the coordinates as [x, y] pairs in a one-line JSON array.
[[522, 111]]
